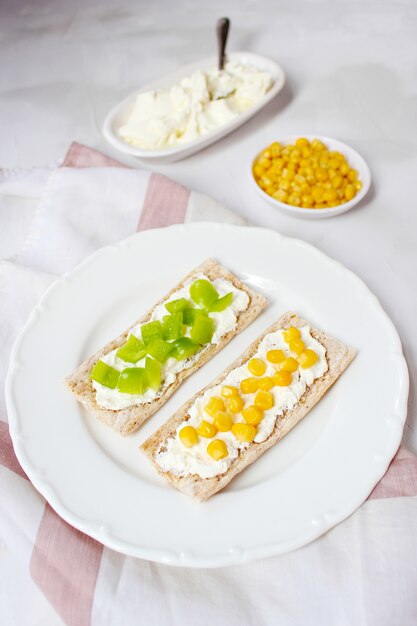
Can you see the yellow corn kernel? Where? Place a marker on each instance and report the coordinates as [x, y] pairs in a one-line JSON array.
[[358, 185], [252, 415], [214, 405], [289, 365], [337, 181], [270, 191], [258, 171], [223, 421], [329, 195], [302, 142], [188, 436], [235, 404], [288, 174], [217, 449], [317, 194], [228, 391], [275, 148], [206, 429], [291, 333], [257, 367], [321, 174], [294, 200], [317, 145], [275, 356], [306, 152], [266, 383], [297, 346], [284, 185], [350, 192], [244, 432], [264, 400], [282, 378], [281, 195], [266, 154], [307, 358], [344, 168], [352, 175], [307, 201], [249, 385]]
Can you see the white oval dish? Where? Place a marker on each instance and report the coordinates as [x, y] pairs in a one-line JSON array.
[[354, 159], [118, 114], [103, 485]]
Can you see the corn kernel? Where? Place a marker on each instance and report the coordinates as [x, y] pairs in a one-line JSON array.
[[302, 142], [244, 432], [344, 168], [258, 171], [229, 390], [358, 185], [321, 174], [350, 192], [214, 405], [217, 449], [257, 367], [317, 194], [296, 345], [352, 175], [223, 421], [266, 383], [252, 415], [289, 365], [282, 378], [275, 356], [275, 148], [337, 181], [317, 145], [188, 436], [206, 429], [235, 404], [307, 358], [294, 200], [264, 400], [291, 333], [249, 385], [329, 195]]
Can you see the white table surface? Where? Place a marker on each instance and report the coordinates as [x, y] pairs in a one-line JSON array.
[[351, 73]]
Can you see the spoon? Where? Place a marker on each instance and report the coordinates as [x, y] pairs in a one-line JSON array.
[[222, 27]]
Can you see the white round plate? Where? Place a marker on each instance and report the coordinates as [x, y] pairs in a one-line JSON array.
[[119, 113], [355, 161], [102, 484]]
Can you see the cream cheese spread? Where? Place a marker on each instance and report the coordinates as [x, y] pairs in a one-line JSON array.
[[224, 322], [196, 105], [174, 457]]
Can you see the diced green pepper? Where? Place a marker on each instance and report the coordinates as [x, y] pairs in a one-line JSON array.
[[159, 349], [183, 348], [151, 330], [189, 315], [153, 373], [202, 330], [221, 303], [203, 293], [176, 305], [132, 380], [105, 375], [172, 326], [132, 351]]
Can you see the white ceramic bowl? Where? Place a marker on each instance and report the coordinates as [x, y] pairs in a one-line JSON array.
[[355, 161], [119, 113]]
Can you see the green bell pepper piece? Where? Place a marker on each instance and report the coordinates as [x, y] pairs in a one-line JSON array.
[[189, 315], [172, 326], [132, 380], [221, 303], [202, 330], [105, 375], [183, 348], [203, 293], [176, 305], [132, 351], [153, 373], [159, 349], [151, 330]]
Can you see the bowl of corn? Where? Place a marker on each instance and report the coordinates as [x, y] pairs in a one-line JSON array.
[[310, 176]]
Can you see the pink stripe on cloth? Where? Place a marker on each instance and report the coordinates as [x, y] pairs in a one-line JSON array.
[[165, 203], [7, 454], [65, 565], [400, 478], [82, 156]]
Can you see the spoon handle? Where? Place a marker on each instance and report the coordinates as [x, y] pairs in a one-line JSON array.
[[222, 27]]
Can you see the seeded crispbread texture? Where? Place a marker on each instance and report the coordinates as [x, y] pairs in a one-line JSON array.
[[338, 357], [126, 421]]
